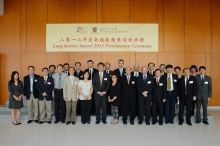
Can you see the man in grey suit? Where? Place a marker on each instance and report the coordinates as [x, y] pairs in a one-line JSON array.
[[204, 94]]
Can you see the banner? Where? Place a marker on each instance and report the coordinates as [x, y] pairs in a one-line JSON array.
[[102, 37]]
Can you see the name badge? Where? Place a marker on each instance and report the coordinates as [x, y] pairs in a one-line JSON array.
[[190, 82], [76, 82], [35, 80], [161, 84], [149, 82], [48, 83], [175, 80], [105, 79], [133, 82], [206, 82]]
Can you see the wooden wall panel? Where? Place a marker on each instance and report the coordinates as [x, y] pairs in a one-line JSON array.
[[197, 59], [57, 58], [115, 11], [173, 58], [208, 63], [197, 26], [215, 72], [144, 58], [143, 11], [215, 21], [23, 25], [57, 15], [99, 9], [174, 25], [114, 57], [36, 59], [85, 11], [132, 59], [71, 59], [160, 13], [36, 25], [83, 57], [10, 26], [9, 62]]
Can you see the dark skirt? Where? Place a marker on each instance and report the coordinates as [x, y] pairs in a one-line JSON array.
[[13, 104]]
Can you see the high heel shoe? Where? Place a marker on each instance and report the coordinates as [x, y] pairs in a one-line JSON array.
[[15, 124], [19, 123]]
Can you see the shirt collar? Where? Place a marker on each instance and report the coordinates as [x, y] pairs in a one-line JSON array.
[[31, 76]]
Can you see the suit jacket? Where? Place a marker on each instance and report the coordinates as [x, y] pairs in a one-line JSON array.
[[110, 73], [148, 86], [164, 74], [48, 88], [117, 72], [204, 89], [70, 91], [93, 72], [96, 84], [175, 82], [11, 91], [139, 74], [80, 76], [149, 73], [27, 86], [191, 89], [160, 90], [128, 91]]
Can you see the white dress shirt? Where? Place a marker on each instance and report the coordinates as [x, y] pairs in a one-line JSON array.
[[136, 73], [72, 79]]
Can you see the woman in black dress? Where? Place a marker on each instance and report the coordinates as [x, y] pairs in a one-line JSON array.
[[15, 87], [114, 96]]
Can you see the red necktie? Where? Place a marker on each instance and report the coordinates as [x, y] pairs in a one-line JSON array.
[[186, 87], [157, 81]]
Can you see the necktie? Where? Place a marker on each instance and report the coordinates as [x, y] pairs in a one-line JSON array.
[[100, 77], [107, 72], [121, 72], [59, 82], [128, 79], [202, 80], [169, 83], [136, 74], [145, 79], [157, 81], [45, 80], [151, 73], [77, 73], [186, 87]]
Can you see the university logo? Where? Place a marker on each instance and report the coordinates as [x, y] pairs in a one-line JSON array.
[[94, 30]]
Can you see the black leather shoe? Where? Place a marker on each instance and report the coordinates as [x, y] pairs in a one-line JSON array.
[[147, 123], [140, 123], [171, 122], [73, 122], [180, 123], [41, 122], [104, 122], [56, 122], [68, 122], [167, 122], [63, 122], [83, 122], [153, 123], [88, 122], [49, 122], [205, 122], [125, 122], [97, 122], [161, 123], [29, 121], [132, 122], [198, 122], [36, 121], [189, 123]]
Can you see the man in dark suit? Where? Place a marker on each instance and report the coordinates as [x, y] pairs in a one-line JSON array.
[[162, 68], [136, 72], [120, 71], [151, 66], [204, 94], [171, 81], [31, 94], [187, 91], [52, 69], [145, 84], [159, 97], [78, 73], [128, 92], [91, 72], [66, 68], [101, 83], [110, 73], [45, 86]]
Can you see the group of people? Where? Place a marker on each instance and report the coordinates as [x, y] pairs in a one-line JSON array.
[[100, 91]]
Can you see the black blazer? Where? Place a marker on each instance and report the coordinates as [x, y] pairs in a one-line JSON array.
[[93, 72], [48, 88], [115, 91], [148, 86], [80, 76], [191, 90], [96, 84], [149, 73], [117, 72], [139, 73], [160, 90], [110, 73], [175, 82], [27, 84], [128, 90]]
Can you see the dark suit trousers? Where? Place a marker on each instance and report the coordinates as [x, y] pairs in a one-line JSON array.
[[188, 104], [158, 106], [144, 103], [85, 110], [193, 107], [198, 106], [100, 103], [93, 104], [170, 106], [78, 108], [128, 105], [59, 104]]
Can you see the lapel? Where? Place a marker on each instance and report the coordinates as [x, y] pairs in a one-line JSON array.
[[199, 79]]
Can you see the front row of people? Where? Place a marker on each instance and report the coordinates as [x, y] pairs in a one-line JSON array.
[[151, 93]]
